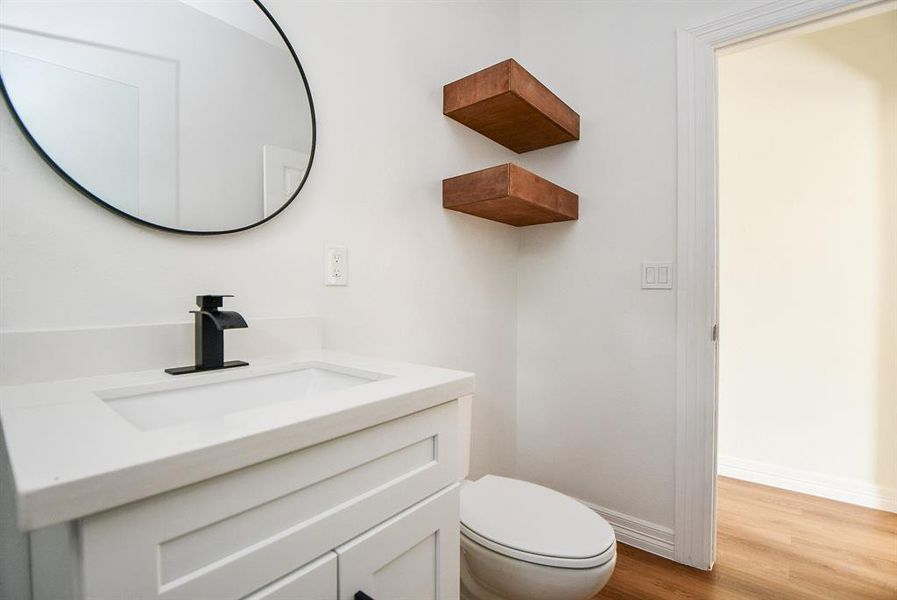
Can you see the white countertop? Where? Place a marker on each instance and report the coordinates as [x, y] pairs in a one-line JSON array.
[[72, 455]]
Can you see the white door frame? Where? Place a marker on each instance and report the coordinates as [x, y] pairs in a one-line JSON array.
[[697, 242]]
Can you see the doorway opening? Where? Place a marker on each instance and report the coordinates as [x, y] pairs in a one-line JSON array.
[[697, 243], [807, 306], [808, 262]]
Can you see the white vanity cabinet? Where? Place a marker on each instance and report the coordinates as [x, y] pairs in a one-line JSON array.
[[413, 555], [373, 511]]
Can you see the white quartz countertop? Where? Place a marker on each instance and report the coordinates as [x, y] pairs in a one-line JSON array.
[[72, 455]]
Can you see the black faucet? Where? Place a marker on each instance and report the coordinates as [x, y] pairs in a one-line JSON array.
[[209, 327]]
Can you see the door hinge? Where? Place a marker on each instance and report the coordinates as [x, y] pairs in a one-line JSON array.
[[714, 332]]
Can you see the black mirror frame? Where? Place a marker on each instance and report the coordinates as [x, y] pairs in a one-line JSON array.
[[97, 200]]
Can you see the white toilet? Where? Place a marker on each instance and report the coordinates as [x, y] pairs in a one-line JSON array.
[[522, 541]]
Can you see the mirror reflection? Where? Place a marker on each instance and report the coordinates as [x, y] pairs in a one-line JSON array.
[[191, 115]]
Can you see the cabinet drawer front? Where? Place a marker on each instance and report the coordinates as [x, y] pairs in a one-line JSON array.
[[267, 520], [413, 556]]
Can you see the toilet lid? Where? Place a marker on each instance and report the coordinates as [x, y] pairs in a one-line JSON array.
[[530, 522]]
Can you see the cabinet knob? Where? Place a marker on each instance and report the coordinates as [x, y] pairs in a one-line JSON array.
[[362, 596]]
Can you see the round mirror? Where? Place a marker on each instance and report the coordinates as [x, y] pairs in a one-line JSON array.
[[185, 115]]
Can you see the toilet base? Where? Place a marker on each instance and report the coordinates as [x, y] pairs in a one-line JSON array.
[[471, 590], [487, 575]]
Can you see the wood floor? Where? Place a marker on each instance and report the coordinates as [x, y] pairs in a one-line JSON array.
[[774, 544]]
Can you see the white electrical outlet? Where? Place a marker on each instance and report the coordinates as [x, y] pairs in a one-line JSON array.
[[336, 265], [657, 275]]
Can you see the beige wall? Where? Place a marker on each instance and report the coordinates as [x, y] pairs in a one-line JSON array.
[[808, 254]]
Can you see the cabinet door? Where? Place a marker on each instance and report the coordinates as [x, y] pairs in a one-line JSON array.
[[229, 536], [412, 556], [315, 581]]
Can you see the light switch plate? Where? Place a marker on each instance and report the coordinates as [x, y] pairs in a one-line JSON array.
[[657, 275], [336, 265]]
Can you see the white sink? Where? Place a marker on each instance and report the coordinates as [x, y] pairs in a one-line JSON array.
[[81, 446], [183, 401]]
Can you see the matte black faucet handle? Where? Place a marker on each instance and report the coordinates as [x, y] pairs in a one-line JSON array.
[[211, 301]]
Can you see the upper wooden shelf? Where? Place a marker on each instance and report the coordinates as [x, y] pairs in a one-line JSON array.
[[507, 104]]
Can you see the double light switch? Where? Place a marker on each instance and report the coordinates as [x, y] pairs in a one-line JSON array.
[[657, 276]]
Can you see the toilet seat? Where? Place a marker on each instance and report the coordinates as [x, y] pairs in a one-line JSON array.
[[540, 559], [535, 524]]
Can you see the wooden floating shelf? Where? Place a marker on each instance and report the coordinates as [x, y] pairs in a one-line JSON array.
[[509, 194], [508, 105]]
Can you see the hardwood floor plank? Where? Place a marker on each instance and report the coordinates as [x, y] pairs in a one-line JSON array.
[[774, 544]]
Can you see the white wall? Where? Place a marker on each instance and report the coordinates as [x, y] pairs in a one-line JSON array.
[[425, 284], [102, 114], [596, 371], [808, 256], [590, 355]]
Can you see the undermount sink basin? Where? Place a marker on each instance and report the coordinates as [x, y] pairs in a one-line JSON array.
[[148, 407]]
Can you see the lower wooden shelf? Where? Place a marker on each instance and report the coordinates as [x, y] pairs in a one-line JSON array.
[[509, 194]]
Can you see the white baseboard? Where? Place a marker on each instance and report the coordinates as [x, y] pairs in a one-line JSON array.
[[638, 533], [807, 482]]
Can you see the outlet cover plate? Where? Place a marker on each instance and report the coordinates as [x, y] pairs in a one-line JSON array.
[[336, 265]]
